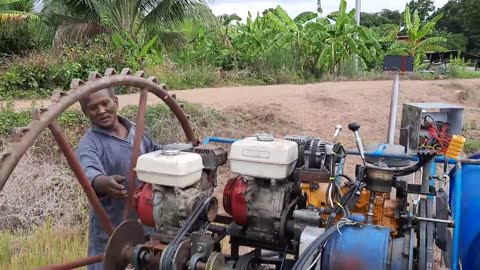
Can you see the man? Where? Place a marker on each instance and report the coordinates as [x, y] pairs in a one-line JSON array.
[[104, 153]]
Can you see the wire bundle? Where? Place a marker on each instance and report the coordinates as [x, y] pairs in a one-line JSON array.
[[439, 139]]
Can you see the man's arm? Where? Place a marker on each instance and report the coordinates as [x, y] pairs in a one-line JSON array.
[[89, 157], [150, 145]]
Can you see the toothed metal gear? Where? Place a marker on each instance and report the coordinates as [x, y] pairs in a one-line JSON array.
[[44, 118], [61, 101]]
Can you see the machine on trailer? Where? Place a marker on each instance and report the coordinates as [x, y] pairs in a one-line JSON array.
[[290, 205]]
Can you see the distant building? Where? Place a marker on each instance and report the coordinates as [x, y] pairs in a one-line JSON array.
[[441, 59]]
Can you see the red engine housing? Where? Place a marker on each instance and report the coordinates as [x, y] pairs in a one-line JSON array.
[[143, 204], [234, 201]]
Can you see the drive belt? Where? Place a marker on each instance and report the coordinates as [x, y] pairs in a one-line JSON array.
[[202, 206]]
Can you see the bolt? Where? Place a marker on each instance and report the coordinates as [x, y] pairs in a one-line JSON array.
[[199, 249]]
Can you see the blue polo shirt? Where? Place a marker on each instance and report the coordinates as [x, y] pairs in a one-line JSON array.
[[102, 153]]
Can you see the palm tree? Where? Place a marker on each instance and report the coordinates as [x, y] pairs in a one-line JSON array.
[[12, 11], [80, 19], [418, 43]]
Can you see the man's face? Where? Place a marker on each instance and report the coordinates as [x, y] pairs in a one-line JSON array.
[[101, 108]]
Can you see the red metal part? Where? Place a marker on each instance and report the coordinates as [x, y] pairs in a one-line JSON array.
[[82, 179], [137, 141], [75, 264], [234, 201], [143, 204]]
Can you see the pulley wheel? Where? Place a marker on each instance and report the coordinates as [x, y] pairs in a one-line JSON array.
[[180, 258], [247, 262], [122, 242], [215, 261]]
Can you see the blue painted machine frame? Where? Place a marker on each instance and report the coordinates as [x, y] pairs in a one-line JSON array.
[[439, 159]]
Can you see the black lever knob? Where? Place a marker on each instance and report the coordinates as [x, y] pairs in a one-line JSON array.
[[354, 126]]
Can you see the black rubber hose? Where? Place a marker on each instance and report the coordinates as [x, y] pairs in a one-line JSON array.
[[316, 244], [347, 177], [348, 196]]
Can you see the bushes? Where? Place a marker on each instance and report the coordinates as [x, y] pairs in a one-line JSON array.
[[39, 74]]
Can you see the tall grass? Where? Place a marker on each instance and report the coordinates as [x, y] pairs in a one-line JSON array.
[[46, 244]]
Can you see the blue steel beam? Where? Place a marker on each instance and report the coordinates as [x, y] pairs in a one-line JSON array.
[[457, 216]]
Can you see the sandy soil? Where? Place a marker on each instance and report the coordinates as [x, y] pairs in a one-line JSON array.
[[317, 108]]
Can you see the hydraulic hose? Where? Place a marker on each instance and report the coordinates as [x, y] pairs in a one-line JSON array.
[[314, 246]]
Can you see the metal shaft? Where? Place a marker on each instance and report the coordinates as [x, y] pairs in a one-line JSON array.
[[338, 128], [426, 176], [435, 220], [137, 142], [393, 110], [82, 179], [75, 264], [371, 206], [358, 140]]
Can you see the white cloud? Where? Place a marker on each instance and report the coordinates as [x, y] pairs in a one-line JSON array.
[[295, 7]]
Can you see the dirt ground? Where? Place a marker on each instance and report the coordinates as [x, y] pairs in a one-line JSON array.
[[315, 109]]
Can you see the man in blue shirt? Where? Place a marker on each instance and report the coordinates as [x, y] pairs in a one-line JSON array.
[[104, 153]]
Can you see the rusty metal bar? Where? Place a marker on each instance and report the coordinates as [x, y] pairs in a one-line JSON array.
[[75, 264], [137, 141], [82, 179]]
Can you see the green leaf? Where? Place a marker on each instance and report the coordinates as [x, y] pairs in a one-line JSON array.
[[277, 21], [286, 19], [147, 47], [352, 45], [305, 17]]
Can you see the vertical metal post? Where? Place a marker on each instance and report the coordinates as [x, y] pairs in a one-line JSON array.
[[457, 216], [137, 142], [426, 169], [358, 8], [393, 110]]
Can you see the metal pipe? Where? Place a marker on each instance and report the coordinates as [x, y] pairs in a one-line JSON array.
[[435, 220], [426, 177], [137, 142], [457, 216], [82, 179], [75, 264], [393, 110], [207, 140]]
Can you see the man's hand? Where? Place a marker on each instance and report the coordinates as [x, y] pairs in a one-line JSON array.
[[111, 185]]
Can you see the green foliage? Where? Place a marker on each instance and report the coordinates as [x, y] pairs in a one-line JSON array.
[[461, 17], [10, 118], [472, 146], [423, 7], [38, 75], [419, 42], [381, 18]]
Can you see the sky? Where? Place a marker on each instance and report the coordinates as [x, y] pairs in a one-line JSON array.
[[295, 7]]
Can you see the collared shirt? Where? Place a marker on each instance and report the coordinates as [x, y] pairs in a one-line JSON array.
[[102, 153]]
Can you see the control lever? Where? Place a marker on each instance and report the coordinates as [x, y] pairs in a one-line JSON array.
[[355, 127], [338, 128]]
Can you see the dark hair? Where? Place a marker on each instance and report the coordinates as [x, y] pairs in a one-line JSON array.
[[110, 91]]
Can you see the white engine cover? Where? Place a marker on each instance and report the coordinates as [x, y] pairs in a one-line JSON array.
[[170, 168], [263, 157]]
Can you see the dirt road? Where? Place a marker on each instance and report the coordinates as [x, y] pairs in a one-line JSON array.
[[317, 108]]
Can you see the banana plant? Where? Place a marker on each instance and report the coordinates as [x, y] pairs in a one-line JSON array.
[[343, 40], [418, 43]]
